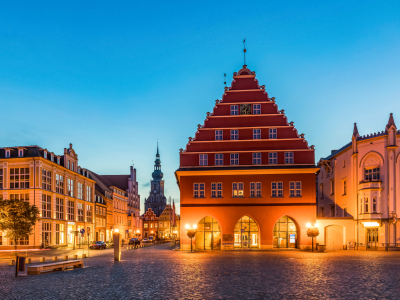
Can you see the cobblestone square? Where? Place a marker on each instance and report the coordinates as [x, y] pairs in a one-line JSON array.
[[158, 272]]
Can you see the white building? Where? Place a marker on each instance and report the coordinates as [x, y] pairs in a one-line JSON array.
[[357, 198]]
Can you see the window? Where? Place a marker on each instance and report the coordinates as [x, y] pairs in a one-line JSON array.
[[344, 164], [345, 212], [256, 109], [59, 208], [60, 184], [203, 159], [70, 187], [7, 153], [277, 189], [46, 180], [1, 178], [219, 159], [45, 154], [59, 234], [288, 157], [22, 197], [73, 167], [321, 189], [374, 205], [155, 225], [69, 165], [97, 209], [272, 158], [216, 190], [166, 224], [272, 133], [234, 134], [344, 187], [1, 238], [198, 190], [255, 189], [80, 190], [19, 178], [332, 187], [256, 134], [80, 212], [366, 205], [332, 211], [89, 213], [234, 110], [70, 211], [372, 174], [218, 134], [256, 158], [234, 158], [58, 160], [237, 189], [146, 225], [52, 157], [322, 211], [361, 206], [295, 188], [151, 225], [46, 206], [20, 153], [46, 234]]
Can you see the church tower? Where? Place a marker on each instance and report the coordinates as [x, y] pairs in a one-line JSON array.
[[156, 200]]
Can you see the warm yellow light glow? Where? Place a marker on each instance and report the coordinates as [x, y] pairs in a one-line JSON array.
[[371, 224], [152, 231], [187, 226], [116, 230], [194, 226], [138, 231], [315, 225], [308, 225]]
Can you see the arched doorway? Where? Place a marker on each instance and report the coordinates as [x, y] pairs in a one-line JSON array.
[[246, 233], [208, 236], [285, 233]]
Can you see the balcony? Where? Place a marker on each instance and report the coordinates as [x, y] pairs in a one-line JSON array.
[[370, 184]]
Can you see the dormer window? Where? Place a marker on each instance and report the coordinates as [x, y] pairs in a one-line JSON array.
[[58, 160], [7, 153], [52, 157], [45, 154], [68, 165], [20, 153], [73, 167]]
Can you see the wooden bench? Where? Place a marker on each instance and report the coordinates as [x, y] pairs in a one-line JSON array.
[[37, 269]]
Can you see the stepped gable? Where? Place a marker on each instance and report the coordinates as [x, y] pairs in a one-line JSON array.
[[245, 92]]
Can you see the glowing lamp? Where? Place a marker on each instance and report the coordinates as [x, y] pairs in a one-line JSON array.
[[187, 226], [195, 226], [308, 225], [315, 225], [371, 224], [116, 230], [137, 231]]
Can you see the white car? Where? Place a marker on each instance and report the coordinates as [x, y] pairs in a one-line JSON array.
[[144, 240]]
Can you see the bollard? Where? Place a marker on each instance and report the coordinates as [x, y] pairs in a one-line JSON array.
[[42, 259], [54, 258], [127, 247], [65, 257], [11, 262], [75, 256], [84, 255]]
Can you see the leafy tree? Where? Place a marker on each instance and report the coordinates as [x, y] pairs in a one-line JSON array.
[[17, 219]]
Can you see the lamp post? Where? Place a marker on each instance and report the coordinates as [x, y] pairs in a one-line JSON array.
[[137, 235], [191, 233], [312, 232]]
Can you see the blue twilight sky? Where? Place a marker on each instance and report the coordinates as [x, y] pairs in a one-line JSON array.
[[112, 77]]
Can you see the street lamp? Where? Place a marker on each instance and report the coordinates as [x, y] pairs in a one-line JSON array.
[[312, 232], [137, 236], [191, 233]]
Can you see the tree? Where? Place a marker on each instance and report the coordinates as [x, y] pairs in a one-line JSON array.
[[17, 218], [312, 232]]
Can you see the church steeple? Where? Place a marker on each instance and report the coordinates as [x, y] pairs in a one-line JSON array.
[[157, 174]]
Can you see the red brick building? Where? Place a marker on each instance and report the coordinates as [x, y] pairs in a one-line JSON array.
[[247, 178], [150, 224]]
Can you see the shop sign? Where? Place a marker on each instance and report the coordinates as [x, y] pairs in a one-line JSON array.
[[292, 238], [71, 223]]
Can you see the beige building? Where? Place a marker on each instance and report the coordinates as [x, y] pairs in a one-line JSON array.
[[358, 193], [166, 228], [56, 185]]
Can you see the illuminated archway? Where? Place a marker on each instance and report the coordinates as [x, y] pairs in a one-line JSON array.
[[208, 236], [246, 233], [285, 233]]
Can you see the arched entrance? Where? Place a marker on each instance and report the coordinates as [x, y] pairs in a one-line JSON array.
[[246, 233], [208, 236], [285, 233]]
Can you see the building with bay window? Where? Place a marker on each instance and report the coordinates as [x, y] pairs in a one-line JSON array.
[[56, 185], [358, 192], [247, 178]]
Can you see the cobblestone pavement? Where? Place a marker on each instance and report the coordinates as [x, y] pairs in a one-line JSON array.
[[159, 273]]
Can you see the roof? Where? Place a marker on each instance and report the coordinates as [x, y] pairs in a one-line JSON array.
[[334, 152], [120, 181]]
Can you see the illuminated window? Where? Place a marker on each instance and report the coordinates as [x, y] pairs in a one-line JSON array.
[[80, 190], [203, 159], [234, 158], [59, 208], [256, 158], [234, 109], [255, 189], [272, 133], [59, 234], [256, 134], [272, 158], [1, 179], [288, 157], [146, 225], [371, 174], [89, 213], [70, 187], [256, 109], [88, 193], [198, 190], [46, 206], [216, 189], [234, 134], [295, 188], [46, 180], [22, 197], [277, 189], [218, 135], [237, 189], [19, 178], [80, 212], [70, 210], [219, 159]]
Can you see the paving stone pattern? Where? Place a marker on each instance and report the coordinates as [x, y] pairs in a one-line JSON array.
[[158, 272]]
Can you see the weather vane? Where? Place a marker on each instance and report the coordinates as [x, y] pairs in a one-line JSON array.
[[244, 50], [225, 79]]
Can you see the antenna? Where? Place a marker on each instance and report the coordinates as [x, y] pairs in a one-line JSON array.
[[244, 51], [225, 79]]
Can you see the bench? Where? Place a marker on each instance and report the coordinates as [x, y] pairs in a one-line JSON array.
[[37, 269]]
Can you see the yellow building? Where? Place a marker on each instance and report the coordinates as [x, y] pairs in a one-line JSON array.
[[166, 228], [57, 186]]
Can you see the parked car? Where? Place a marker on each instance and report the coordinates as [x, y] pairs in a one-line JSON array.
[[134, 241], [151, 239], [145, 240], [98, 245]]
